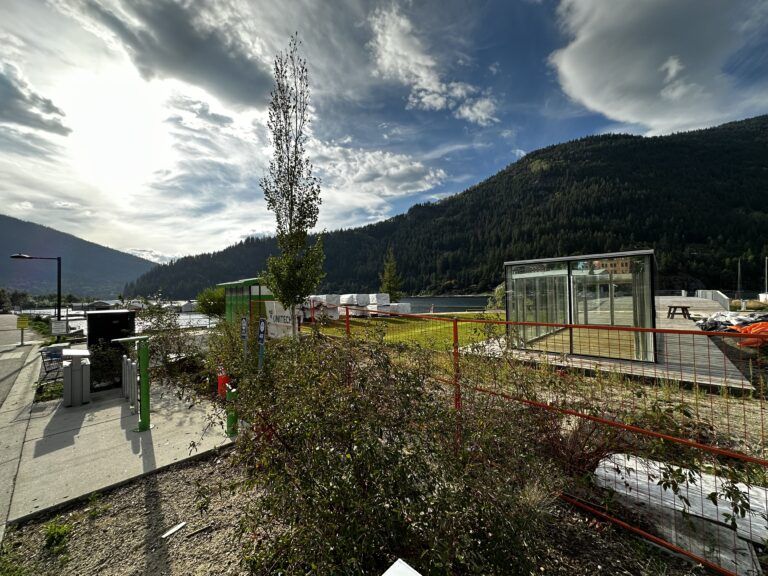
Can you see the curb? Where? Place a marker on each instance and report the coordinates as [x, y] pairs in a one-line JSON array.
[[217, 450]]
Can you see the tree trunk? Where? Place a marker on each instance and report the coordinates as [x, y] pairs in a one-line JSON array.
[[293, 321]]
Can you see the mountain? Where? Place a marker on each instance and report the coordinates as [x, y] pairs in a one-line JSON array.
[[87, 269], [699, 198]]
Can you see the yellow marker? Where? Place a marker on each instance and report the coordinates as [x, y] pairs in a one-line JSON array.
[[22, 322]]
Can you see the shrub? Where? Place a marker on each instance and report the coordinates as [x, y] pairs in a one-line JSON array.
[[352, 450]]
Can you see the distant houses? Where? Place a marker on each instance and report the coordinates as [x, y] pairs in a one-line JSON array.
[[182, 306]]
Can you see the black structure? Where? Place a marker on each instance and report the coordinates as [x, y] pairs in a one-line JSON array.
[[106, 325]]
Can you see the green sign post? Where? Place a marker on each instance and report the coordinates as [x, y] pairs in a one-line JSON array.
[[142, 345]]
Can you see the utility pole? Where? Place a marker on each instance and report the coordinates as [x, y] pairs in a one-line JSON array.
[[738, 282]]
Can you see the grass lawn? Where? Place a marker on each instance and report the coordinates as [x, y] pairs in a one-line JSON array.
[[435, 333]]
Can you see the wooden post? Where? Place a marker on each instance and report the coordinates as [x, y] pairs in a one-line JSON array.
[[346, 319]]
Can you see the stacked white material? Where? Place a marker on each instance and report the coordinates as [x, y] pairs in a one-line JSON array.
[[377, 309], [325, 305], [400, 307], [356, 303], [382, 299], [329, 300], [763, 297], [354, 300]]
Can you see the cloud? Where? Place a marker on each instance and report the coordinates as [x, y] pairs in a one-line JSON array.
[[202, 111], [400, 56], [360, 184], [663, 65], [478, 110], [25, 143], [21, 105], [169, 39]]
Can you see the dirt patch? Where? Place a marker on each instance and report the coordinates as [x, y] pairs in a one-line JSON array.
[[120, 533]]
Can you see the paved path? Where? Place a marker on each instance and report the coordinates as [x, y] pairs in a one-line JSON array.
[[12, 357], [14, 418], [68, 453], [50, 455]]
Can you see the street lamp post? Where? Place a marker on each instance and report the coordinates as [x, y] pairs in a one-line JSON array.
[[58, 275]]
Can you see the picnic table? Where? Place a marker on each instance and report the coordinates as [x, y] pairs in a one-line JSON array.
[[684, 310]]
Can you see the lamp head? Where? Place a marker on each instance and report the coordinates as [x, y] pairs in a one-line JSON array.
[[20, 256]]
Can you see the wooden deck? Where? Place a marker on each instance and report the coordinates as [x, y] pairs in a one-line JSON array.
[[688, 359], [699, 527]]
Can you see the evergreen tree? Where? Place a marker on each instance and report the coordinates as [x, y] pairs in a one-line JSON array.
[[391, 282], [291, 190]]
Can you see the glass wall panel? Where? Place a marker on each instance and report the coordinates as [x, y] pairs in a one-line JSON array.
[[613, 291], [536, 293], [607, 291]]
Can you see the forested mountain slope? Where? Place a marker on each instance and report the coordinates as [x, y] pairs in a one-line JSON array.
[[699, 198], [87, 269]]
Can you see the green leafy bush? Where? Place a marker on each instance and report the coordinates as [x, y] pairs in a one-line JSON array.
[[353, 453]]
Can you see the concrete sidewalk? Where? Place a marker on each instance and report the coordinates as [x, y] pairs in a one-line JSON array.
[[14, 419], [68, 453]]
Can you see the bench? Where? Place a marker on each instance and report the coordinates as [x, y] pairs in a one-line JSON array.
[[684, 310], [52, 364]]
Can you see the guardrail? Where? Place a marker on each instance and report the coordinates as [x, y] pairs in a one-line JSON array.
[[715, 296]]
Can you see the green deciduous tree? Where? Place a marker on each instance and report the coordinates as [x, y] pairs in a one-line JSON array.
[[291, 190], [390, 280], [211, 301]]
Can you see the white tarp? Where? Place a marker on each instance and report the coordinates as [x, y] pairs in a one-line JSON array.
[[375, 309], [378, 299], [354, 300], [400, 307]]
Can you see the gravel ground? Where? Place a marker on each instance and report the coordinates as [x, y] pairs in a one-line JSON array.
[[119, 534]]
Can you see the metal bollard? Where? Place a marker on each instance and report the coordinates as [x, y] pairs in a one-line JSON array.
[[132, 388], [125, 376], [231, 411]]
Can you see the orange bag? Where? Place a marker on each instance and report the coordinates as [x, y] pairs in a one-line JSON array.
[[758, 328]]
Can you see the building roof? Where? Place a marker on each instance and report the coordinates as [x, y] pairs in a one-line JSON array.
[[582, 257], [243, 283]]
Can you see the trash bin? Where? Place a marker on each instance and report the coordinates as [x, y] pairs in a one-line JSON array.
[[77, 381]]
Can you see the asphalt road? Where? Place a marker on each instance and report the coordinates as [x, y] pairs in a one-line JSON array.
[[12, 358]]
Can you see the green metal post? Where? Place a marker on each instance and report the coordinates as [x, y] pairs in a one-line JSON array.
[[144, 424], [231, 411]]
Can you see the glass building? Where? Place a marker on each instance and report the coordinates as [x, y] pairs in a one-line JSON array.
[[563, 298]]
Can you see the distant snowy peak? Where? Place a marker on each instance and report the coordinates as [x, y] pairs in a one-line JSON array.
[[152, 255]]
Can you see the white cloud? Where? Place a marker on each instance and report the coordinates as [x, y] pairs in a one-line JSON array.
[[401, 56], [657, 63], [479, 111], [361, 184]]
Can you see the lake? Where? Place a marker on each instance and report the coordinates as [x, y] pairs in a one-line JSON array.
[[422, 304]]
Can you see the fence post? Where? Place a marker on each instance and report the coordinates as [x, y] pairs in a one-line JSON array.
[[144, 423], [456, 385], [346, 319]]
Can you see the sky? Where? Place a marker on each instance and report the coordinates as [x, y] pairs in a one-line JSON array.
[[141, 124]]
